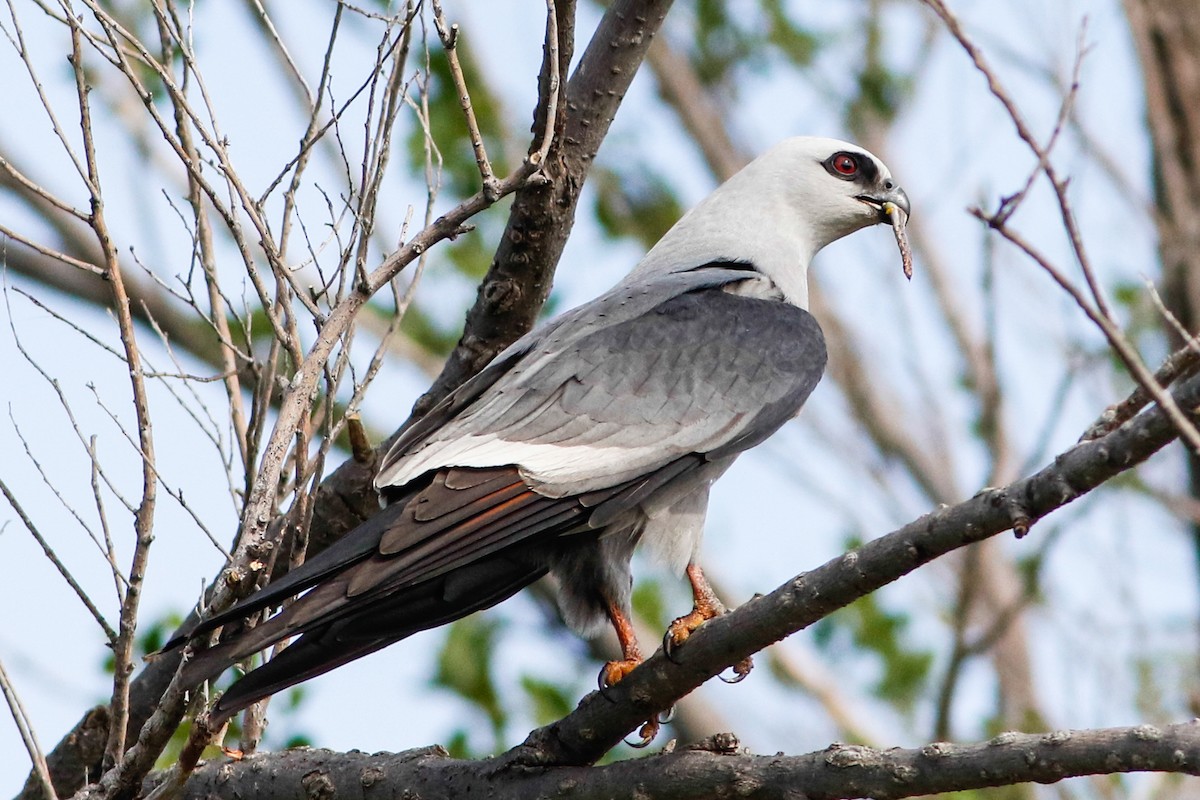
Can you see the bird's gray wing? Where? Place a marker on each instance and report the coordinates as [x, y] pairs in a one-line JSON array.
[[509, 377], [492, 386], [701, 370]]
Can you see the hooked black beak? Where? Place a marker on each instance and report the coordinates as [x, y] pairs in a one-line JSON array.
[[882, 200]]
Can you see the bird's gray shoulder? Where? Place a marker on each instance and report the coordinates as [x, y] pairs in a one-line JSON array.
[[702, 353], [517, 372]]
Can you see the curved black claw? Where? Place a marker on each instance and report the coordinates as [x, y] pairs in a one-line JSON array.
[[648, 732], [740, 671], [665, 717], [670, 648], [604, 685]]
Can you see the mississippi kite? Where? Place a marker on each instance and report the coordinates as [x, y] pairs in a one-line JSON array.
[[596, 433]]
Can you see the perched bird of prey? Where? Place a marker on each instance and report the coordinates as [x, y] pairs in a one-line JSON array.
[[598, 432]]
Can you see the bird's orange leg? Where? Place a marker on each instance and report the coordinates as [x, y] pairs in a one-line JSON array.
[[705, 607], [631, 655]]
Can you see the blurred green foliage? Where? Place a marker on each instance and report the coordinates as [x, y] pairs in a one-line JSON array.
[[728, 37], [464, 667], [634, 201], [874, 630], [548, 701], [650, 606]]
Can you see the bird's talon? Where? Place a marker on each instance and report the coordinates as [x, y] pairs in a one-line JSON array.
[[679, 631], [614, 672], [670, 646], [603, 686], [740, 671], [665, 717], [647, 734]]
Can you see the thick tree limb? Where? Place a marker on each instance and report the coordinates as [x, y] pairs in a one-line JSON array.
[[839, 771]]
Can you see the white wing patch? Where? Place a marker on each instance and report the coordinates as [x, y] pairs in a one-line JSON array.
[[571, 466]]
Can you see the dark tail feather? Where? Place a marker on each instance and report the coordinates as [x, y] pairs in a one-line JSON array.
[[373, 627], [345, 552]]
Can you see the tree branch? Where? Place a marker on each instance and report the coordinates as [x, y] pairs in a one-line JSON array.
[[519, 279], [554, 753], [719, 770]]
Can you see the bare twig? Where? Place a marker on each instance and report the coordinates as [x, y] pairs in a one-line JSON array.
[[35, 188], [551, 86], [449, 35], [1120, 345], [1100, 313], [144, 517], [203, 239], [1026, 134], [109, 633], [1180, 364], [18, 41], [28, 737], [49, 251]]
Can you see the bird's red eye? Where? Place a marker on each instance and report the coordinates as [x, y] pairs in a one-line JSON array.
[[845, 164]]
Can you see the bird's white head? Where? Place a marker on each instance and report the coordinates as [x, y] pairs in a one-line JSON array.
[[780, 210]]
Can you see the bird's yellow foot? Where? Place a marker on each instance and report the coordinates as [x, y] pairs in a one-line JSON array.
[[679, 630], [614, 671], [706, 606]]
